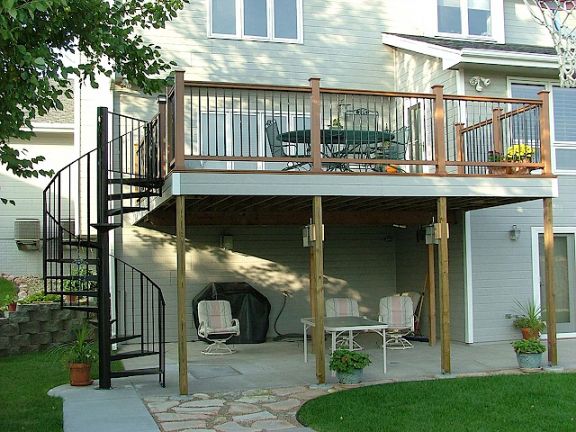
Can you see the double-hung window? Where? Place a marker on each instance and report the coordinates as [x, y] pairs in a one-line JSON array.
[[471, 18], [271, 20]]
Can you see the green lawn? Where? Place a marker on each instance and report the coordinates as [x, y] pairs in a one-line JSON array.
[[535, 402], [24, 383]]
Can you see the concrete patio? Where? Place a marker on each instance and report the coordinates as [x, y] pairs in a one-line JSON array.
[[262, 386]]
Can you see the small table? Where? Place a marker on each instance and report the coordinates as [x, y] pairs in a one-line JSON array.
[[335, 325]]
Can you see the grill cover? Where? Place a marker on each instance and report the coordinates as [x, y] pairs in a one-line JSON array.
[[251, 308]]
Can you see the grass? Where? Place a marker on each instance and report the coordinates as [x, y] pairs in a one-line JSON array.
[[24, 383], [536, 402], [6, 288]]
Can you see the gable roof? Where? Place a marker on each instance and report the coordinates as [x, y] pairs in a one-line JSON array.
[[456, 52]]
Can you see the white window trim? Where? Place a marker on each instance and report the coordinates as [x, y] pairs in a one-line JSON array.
[[270, 25], [536, 270], [554, 144], [496, 13]]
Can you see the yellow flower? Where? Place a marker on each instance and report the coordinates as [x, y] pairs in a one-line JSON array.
[[519, 152]]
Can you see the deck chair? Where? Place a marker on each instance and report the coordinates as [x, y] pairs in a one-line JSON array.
[[217, 326], [340, 307], [277, 146], [417, 300], [397, 311]]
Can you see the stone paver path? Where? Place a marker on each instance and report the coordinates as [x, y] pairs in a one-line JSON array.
[[250, 410]]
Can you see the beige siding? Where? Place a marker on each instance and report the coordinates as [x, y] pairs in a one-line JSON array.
[[341, 45], [520, 26], [418, 73], [359, 262], [58, 150]]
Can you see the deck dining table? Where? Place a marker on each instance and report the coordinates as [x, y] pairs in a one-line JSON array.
[[347, 143]]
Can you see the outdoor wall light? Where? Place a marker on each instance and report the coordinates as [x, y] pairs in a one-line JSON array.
[[514, 232]]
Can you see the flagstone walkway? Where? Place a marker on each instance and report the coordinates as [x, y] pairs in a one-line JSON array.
[[250, 410]]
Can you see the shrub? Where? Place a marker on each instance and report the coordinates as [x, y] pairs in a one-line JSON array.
[[345, 361]]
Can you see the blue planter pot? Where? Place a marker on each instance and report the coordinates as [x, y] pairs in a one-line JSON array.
[[529, 361], [353, 377]]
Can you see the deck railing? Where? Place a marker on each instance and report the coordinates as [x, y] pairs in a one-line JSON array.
[[239, 127]]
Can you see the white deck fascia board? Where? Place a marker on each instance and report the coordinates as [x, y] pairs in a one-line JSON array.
[[203, 183]]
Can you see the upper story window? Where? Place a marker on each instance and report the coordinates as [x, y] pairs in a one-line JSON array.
[[273, 20], [471, 18]]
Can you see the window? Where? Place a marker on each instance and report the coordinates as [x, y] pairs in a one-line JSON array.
[[272, 20], [563, 104], [471, 18]]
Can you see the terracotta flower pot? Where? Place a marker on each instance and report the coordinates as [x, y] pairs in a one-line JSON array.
[[80, 374], [528, 333], [12, 307]]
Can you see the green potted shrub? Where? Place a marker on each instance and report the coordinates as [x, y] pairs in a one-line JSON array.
[[78, 283], [348, 365], [530, 320], [78, 355], [9, 301], [529, 353]]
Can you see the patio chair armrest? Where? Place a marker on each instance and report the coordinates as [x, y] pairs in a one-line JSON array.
[[236, 323], [202, 329]]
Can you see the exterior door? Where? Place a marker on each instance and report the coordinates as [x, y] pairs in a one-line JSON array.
[[564, 267]]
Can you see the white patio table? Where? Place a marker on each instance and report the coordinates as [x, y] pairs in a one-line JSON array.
[[337, 325]]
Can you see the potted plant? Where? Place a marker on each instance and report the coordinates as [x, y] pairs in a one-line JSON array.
[[9, 301], [78, 355], [519, 153], [78, 282], [530, 320], [494, 156], [529, 353], [348, 365]]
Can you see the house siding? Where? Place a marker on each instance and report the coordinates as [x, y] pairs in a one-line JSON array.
[[359, 262], [341, 45], [502, 268]]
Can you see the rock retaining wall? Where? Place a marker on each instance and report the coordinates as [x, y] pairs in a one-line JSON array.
[[37, 327]]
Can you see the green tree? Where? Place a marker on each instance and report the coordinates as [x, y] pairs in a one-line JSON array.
[[35, 37]]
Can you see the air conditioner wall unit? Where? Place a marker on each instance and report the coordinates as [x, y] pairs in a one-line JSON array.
[[27, 234]]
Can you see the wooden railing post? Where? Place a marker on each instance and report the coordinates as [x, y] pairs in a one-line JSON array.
[[545, 147], [497, 130], [439, 138], [162, 147], [179, 161], [315, 124], [459, 145]]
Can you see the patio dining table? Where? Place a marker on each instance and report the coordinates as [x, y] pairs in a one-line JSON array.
[[338, 325]]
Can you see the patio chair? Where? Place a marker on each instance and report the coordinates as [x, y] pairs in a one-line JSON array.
[[397, 311], [277, 148], [417, 300], [342, 307], [217, 326]]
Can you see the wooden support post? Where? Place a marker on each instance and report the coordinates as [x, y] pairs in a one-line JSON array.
[[459, 145], [318, 289], [162, 147], [312, 282], [549, 282], [545, 149], [431, 295], [179, 161], [444, 284], [497, 130], [181, 293], [315, 124], [439, 136]]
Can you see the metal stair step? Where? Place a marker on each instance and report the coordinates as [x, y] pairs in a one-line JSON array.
[[106, 226], [124, 210], [138, 182], [134, 372], [123, 338], [128, 195], [82, 308], [80, 243], [81, 261], [132, 354]]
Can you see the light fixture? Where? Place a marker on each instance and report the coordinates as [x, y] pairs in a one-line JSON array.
[[514, 232]]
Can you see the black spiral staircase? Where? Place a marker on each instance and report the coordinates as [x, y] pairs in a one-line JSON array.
[[83, 203]]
